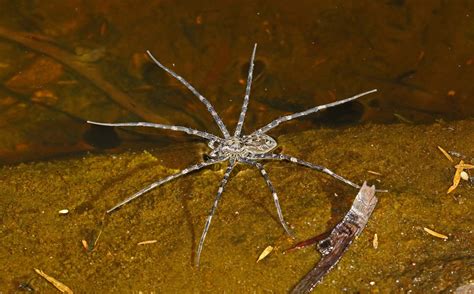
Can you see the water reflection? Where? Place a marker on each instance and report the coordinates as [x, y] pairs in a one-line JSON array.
[[419, 56]]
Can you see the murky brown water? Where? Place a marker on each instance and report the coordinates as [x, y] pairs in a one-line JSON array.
[[64, 62]]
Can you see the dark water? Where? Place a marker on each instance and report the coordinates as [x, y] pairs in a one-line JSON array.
[[65, 62], [418, 54]]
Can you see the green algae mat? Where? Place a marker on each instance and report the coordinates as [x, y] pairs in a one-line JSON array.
[[53, 217]]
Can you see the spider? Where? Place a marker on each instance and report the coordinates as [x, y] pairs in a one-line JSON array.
[[236, 148]]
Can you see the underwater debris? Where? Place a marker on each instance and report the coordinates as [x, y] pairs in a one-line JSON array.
[[374, 172], [147, 242], [402, 118], [460, 167], [435, 234], [265, 252], [60, 286], [456, 179], [445, 154], [26, 286], [464, 176], [44, 45], [306, 243], [89, 247], [458, 174], [85, 244], [63, 211], [333, 247], [465, 289], [464, 165], [375, 241]]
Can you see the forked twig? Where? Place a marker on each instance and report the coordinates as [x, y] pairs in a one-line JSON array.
[[333, 247]]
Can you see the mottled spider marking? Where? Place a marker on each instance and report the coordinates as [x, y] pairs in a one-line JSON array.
[[245, 149], [239, 148]]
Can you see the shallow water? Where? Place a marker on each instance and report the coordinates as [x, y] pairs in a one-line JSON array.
[[66, 62], [87, 60], [417, 175]]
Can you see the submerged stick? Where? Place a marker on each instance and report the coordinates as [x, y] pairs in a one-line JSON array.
[[60, 286], [333, 247], [43, 45]]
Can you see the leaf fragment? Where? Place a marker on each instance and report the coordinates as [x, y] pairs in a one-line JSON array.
[[374, 172], [457, 177], [464, 166], [89, 247], [85, 244], [375, 241], [147, 242], [265, 253], [60, 286], [63, 211], [435, 234], [446, 154]]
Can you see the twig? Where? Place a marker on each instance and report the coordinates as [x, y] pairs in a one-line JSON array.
[[147, 242], [60, 286], [333, 247], [445, 154]]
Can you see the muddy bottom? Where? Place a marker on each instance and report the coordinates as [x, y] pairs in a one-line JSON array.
[[91, 251]]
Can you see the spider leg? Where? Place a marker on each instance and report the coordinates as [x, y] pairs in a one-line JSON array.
[[306, 164], [285, 118], [165, 180], [201, 98], [264, 174], [240, 123], [187, 130], [213, 210]]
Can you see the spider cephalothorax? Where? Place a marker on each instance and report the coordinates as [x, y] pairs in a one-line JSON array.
[[241, 148], [236, 148]]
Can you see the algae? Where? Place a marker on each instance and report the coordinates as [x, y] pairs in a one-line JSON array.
[[417, 175]]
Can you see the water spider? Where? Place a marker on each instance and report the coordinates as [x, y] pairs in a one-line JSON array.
[[233, 148]]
